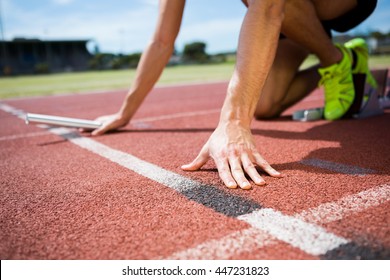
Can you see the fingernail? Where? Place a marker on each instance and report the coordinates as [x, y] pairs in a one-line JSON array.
[[246, 185], [260, 182], [232, 185]]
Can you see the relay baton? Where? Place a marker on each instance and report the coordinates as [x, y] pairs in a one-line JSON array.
[[61, 121]]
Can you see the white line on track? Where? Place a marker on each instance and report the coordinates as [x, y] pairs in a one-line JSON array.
[[177, 115], [11, 110], [238, 242], [348, 205], [300, 232], [25, 135], [310, 238], [227, 247]]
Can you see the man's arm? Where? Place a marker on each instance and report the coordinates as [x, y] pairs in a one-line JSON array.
[[231, 145], [153, 60]]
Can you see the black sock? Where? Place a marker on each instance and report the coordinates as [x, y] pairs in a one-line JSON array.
[[354, 59]]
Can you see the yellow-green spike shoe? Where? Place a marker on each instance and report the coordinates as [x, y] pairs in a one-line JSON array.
[[338, 86], [359, 47]]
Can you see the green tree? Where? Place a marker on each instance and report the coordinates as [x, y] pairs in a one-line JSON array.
[[195, 52], [378, 35], [101, 61]]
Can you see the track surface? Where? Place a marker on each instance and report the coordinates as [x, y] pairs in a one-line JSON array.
[[66, 195]]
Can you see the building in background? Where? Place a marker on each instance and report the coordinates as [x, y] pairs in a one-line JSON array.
[[32, 56]]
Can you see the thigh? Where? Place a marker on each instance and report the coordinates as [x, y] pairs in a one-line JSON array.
[[288, 59], [344, 15], [331, 9], [353, 17]]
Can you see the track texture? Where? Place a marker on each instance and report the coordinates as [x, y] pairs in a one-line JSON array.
[[66, 195]]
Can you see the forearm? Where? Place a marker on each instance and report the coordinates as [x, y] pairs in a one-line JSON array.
[[149, 69], [255, 54], [155, 56]]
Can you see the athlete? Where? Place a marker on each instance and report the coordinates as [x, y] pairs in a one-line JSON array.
[[275, 37]]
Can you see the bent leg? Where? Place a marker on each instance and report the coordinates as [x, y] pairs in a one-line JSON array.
[[302, 24], [285, 85]]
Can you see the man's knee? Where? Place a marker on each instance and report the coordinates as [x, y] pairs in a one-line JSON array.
[[268, 112]]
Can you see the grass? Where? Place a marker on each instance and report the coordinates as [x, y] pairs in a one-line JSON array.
[[38, 85]]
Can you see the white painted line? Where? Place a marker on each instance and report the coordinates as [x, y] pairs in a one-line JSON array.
[[13, 111], [227, 247], [177, 115], [308, 237], [25, 135], [337, 167], [348, 205]]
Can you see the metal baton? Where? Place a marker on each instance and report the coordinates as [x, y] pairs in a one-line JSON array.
[[61, 121]]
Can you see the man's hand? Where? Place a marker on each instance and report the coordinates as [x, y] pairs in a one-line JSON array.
[[110, 122], [232, 148]]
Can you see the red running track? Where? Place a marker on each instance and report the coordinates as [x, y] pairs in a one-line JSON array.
[[66, 195]]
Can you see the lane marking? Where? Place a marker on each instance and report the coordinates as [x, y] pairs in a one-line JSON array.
[[238, 242], [227, 247], [308, 237], [348, 205], [177, 115], [13, 111], [337, 167], [25, 135]]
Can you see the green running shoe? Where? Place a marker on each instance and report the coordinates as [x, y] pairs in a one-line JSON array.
[[338, 85], [359, 47]]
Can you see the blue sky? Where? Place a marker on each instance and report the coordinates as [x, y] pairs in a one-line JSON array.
[[126, 25]]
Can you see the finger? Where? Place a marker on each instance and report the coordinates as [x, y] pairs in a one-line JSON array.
[[199, 161], [260, 161], [250, 169], [224, 173], [238, 173], [101, 130]]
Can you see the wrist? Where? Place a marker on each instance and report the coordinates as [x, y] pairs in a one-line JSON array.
[[236, 117], [236, 113], [130, 105]]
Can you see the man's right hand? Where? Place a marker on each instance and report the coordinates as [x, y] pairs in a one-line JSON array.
[[110, 122]]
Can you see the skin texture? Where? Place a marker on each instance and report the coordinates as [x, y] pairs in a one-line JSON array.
[[255, 88]]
